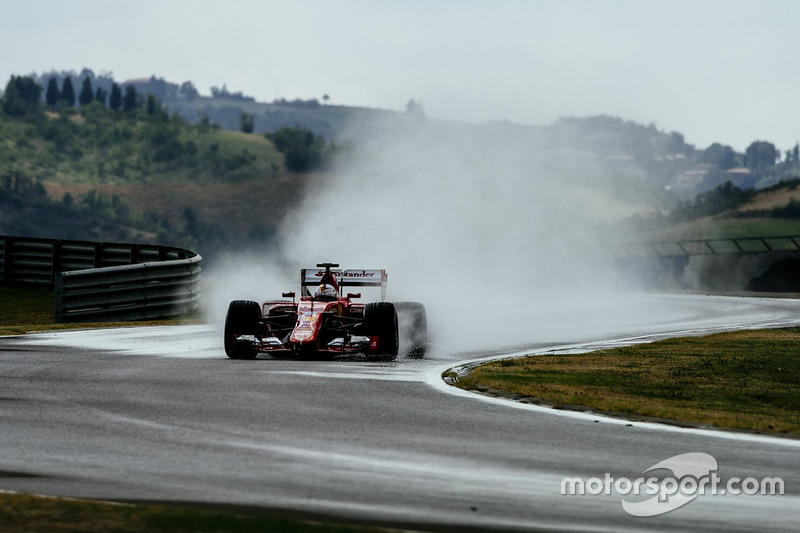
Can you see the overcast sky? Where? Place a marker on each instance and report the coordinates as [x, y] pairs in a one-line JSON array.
[[715, 70]]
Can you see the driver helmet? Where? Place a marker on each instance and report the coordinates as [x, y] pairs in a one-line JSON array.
[[325, 291]]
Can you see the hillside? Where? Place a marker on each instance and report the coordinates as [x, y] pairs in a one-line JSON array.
[[771, 212], [773, 198], [178, 171], [331, 121], [639, 156], [224, 107], [96, 174]]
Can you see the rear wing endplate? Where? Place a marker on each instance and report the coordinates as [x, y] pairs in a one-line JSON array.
[[310, 277]]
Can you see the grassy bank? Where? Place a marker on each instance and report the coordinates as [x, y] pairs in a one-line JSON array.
[[30, 514], [24, 309], [746, 380]]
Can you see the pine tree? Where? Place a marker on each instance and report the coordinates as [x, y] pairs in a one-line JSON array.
[[130, 100], [67, 93], [22, 96], [115, 100], [247, 122], [153, 105], [51, 97], [86, 95], [101, 95]]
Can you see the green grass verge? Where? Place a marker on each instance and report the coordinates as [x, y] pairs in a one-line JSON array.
[[25, 513], [22, 307], [746, 380]]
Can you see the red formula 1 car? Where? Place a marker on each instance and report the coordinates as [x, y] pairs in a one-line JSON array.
[[325, 323]]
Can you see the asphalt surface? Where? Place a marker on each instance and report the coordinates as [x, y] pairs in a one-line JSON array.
[[159, 414]]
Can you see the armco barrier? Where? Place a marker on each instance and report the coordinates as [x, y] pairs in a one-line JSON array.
[[104, 281], [145, 291], [743, 245]]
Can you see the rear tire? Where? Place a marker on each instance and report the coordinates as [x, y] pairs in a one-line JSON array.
[[413, 321], [243, 318], [380, 319]]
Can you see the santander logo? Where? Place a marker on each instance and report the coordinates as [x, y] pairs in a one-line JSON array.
[[350, 274]]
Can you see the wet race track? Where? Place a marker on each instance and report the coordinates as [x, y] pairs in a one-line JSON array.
[[160, 414]]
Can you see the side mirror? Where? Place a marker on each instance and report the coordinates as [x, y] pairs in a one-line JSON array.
[[353, 295]]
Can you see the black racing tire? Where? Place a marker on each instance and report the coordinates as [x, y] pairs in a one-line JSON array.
[[413, 321], [380, 319], [244, 317]]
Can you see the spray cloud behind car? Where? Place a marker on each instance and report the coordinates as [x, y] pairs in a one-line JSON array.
[[481, 224]]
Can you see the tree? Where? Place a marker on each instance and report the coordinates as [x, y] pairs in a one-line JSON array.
[[101, 95], [793, 155], [415, 109], [302, 150], [724, 197], [247, 123], [67, 96], [51, 96], [115, 100], [761, 155], [130, 102], [22, 96], [86, 96], [722, 156], [153, 105], [187, 90]]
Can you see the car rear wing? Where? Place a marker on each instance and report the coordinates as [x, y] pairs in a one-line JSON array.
[[310, 277]]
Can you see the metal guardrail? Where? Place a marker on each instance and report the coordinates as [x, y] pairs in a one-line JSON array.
[[745, 245], [104, 281], [144, 291]]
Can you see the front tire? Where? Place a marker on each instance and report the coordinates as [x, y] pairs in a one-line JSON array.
[[380, 319], [243, 318]]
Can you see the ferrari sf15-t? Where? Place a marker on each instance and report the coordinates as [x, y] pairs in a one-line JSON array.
[[325, 323]]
